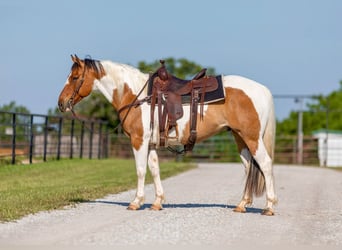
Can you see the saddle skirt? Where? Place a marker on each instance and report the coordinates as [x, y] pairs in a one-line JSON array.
[[209, 97]]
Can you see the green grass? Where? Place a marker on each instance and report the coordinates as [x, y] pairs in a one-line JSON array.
[[26, 189]]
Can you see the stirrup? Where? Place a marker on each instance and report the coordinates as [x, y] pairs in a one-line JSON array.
[[167, 136]]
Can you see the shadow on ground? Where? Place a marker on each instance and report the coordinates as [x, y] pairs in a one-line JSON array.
[[182, 205]]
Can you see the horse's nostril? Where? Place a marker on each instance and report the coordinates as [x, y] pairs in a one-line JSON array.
[[61, 106]]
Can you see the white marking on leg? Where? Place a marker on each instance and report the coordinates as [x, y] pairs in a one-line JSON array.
[[266, 166], [153, 164], [140, 164]]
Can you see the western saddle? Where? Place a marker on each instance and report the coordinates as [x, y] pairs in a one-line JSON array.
[[167, 93]]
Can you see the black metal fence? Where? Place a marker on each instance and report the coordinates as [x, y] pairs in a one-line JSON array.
[[223, 148], [25, 137]]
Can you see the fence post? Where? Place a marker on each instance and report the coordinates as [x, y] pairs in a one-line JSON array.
[[81, 140], [45, 137], [100, 141], [60, 124], [106, 142], [300, 132], [300, 138], [71, 138], [31, 138], [14, 134], [91, 139]]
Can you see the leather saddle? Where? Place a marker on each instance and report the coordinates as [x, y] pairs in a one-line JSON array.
[[167, 92]]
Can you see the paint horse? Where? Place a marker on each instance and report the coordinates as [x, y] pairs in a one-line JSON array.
[[247, 111]]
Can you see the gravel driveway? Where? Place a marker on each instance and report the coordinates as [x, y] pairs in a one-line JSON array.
[[198, 212]]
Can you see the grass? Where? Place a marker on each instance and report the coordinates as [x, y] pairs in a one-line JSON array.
[[26, 189]]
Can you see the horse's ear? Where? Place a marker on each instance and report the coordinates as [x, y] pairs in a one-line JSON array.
[[75, 59]]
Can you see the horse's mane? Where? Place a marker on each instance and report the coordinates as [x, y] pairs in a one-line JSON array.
[[90, 64]]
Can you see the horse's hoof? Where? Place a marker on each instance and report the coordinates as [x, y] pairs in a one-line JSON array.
[[267, 211], [133, 207], [156, 207], [239, 209]]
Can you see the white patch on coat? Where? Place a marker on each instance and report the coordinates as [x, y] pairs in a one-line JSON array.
[[67, 80], [121, 74], [253, 90]]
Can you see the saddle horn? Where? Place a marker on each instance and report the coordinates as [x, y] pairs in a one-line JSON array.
[[162, 72]]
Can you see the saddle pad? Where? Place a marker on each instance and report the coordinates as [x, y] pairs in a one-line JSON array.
[[213, 96]]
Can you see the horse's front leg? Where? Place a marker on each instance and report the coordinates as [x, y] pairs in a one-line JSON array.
[[140, 156], [153, 164]]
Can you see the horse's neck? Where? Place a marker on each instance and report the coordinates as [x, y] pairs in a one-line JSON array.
[[117, 76]]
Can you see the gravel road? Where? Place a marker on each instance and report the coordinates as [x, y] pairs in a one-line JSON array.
[[197, 212]]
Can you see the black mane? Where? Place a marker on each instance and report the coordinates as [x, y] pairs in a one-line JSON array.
[[90, 64], [93, 64]]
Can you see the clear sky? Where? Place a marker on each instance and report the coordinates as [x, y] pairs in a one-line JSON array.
[[292, 46]]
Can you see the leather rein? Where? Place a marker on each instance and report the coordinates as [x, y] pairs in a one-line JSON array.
[[135, 103]]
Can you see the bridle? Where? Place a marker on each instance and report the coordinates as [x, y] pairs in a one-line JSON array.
[[76, 92], [71, 100], [135, 103]]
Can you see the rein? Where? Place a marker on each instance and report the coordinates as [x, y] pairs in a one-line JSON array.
[[135, 103]]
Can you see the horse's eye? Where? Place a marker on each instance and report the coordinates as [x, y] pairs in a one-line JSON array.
[[74, 78]]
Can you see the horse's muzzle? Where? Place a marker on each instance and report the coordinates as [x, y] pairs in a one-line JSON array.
[[64, 105], [61, 106]]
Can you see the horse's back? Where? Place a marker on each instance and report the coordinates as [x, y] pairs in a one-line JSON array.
[[257, 92], [249, 86], [259, 95]]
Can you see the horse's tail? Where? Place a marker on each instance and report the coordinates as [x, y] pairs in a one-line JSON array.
[[255, 183]]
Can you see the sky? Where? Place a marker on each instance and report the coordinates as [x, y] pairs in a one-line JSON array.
[[293, 47]]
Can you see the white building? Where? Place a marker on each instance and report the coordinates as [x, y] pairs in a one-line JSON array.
[[329, 147]]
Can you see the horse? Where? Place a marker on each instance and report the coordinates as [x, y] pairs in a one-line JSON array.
[[247, 111]]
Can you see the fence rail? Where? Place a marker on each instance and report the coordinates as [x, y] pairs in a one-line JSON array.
[[28, 137], [42, 136], [223, 149]]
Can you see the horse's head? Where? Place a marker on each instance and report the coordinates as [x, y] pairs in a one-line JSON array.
[[80, 82]]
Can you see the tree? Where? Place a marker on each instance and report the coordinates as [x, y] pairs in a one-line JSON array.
[[97, 107], [324, 112], [13, 107], [182, 67], [6, 119]]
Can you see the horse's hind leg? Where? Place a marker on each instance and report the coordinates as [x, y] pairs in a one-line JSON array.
[[153, 164], [259, 170], [266, 166], [246, 159]]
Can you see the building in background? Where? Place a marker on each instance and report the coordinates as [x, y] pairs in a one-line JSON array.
[[329, 147]]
